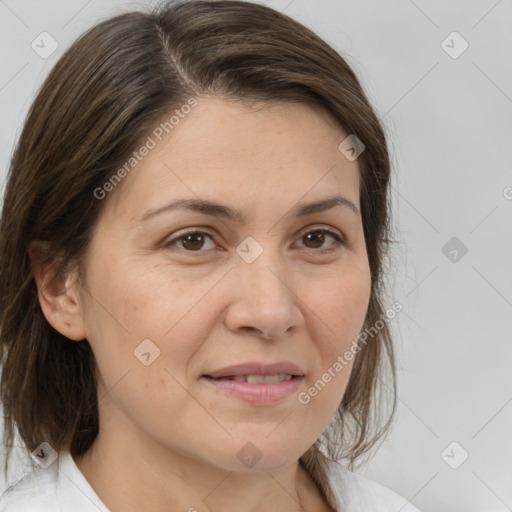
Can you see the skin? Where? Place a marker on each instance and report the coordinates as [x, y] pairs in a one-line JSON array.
[[167, 440]]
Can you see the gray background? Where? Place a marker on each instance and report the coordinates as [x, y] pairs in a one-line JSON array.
[[449, 126]]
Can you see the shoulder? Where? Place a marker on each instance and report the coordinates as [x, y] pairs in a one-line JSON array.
[[60, 487], [34, 491], [357, 493]]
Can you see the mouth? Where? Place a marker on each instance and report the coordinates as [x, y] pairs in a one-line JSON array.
[[257, 383], [252, 372], [257, 379], [256, 390]]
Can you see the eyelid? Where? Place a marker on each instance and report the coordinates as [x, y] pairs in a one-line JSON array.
[[321, 227]]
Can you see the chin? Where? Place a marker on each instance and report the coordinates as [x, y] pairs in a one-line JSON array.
[[259, 455]]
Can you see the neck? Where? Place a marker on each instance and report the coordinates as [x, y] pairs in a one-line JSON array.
[[130, 476]]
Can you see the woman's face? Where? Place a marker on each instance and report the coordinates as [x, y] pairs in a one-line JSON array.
[[165, 308]]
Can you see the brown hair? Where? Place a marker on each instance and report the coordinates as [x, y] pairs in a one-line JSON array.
[[106, 93]]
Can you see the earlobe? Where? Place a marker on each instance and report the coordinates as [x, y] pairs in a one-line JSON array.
[[57, 292]]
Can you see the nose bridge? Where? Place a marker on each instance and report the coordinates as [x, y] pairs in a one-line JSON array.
[[261, 267], [265, 299]]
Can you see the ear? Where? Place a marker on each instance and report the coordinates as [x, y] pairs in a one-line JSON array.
[[57, 293]]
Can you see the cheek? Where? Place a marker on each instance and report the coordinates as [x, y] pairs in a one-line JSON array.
[[139, 300], [341, 304], [337, 310], [140, 303]]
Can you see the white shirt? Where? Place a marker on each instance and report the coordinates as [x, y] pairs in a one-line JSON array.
[[63, 488]]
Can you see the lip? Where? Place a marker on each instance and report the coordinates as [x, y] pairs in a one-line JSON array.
[[256, 368], [257, 394], [261, 393]]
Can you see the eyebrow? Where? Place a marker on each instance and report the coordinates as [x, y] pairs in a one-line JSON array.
[[216, 209]]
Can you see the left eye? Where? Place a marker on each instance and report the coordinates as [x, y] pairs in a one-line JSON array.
[[193, 241], [318, 235]]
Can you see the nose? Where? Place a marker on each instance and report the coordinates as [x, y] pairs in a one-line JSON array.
[[263, 301]]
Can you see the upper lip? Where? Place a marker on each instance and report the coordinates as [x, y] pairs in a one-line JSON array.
[[283, 367]]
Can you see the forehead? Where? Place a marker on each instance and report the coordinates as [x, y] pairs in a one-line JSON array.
[[268, 154]]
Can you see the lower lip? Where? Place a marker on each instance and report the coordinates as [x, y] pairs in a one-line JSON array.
[[258, 393]]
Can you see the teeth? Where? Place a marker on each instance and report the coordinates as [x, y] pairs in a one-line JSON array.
[[262, 379]]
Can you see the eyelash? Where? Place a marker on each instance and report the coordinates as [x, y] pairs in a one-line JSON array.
[[339, 241]]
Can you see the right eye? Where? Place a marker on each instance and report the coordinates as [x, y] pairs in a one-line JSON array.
[[191, 241]]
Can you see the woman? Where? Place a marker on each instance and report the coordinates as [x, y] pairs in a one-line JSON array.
[[192, 240]]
